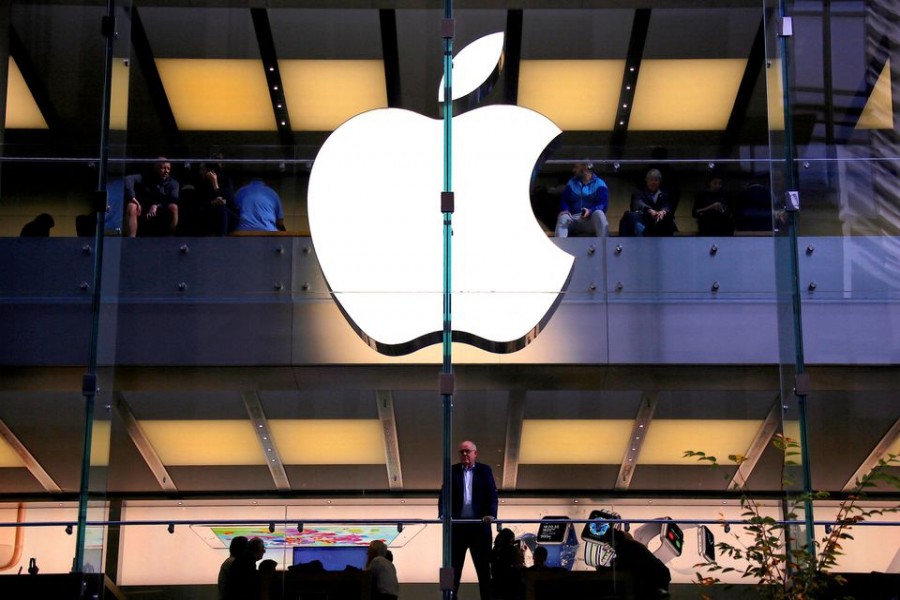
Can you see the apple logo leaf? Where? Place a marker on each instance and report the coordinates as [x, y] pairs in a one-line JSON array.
[[376, 224], [476, 68]]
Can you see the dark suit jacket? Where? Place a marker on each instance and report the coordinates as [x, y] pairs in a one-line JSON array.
[[484, 491]]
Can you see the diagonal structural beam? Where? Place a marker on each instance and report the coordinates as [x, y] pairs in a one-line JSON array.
[[639, 29], [512, 55], [30, 462], [763, 436], [143, 445], [147, 62], [390, 54], [515, 414], [878, 452], [273, 76], [638, 434], [756, 59], [266, 440], [385, 401], [34, 82]]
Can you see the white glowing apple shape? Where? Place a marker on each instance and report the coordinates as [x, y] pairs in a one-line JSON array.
[[376, 223]]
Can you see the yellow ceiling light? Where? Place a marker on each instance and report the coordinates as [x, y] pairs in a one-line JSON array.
[[329, 441], [8, 456], [22, 111], [668, 439], [686, 94], [118, 109], [577, 95], [878, 112], [775, 95], [204, 442], [574, 441], [322, 94], [217, 94], [100, 444]]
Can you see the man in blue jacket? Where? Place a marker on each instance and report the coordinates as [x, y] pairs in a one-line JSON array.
[[584, 202], [473, 496]]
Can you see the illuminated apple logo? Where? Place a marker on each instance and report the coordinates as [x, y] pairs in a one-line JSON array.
[[375, 220]]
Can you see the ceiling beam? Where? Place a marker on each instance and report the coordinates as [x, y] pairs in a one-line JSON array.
[[639, 28], [878, 452], [638, 434], [266, 440], [758, 445], [756, 59], [385, 402], [35, 83], [273, 76], [390, 55], [143, 445], [147, 63], [30, 462], [515, 415], [512, 55]]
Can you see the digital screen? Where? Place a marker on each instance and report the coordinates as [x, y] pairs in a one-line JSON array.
[[707, 543], [552, 533], [675, 537], [311, 536], [332, 558], [599, 528]]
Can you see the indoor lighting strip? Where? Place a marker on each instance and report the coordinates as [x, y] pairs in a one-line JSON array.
[[266, 440], [636, 441]]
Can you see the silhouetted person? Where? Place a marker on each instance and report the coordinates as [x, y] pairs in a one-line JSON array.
[[650, 576], [236, 548], [207, 201], [270, 586], [507, 565], [39, 227], [585, 199], [473, 496], [540, 559], [243, 580], [151, 201], [259, 208], [384, 574], [753, 210], [713, 210]]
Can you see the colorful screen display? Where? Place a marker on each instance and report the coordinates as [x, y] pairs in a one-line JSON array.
[[311, 536]]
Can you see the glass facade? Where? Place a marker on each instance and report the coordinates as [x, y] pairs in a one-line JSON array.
[[186, 361]]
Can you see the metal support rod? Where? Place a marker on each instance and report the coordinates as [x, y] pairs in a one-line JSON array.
[[799, 359], [89, 385], [447, 337]]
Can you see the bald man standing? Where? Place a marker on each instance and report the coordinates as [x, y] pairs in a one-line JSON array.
[[473, 496]]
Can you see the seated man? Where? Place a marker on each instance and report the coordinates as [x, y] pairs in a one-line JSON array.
[[207, 201], [584, 202], [384, 574], [712, 209], [151, 200], [651, 211], [259, 208]]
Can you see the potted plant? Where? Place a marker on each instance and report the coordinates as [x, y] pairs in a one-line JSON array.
[[784, 567]]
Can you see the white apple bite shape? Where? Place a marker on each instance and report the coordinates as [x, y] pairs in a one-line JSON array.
[[374, 213]]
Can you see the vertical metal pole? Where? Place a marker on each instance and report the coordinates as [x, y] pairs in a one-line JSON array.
[[447, 337], [799, 359], [89, 381]]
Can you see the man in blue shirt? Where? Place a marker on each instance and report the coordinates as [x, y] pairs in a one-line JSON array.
[[584, 203], [259, 207]]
